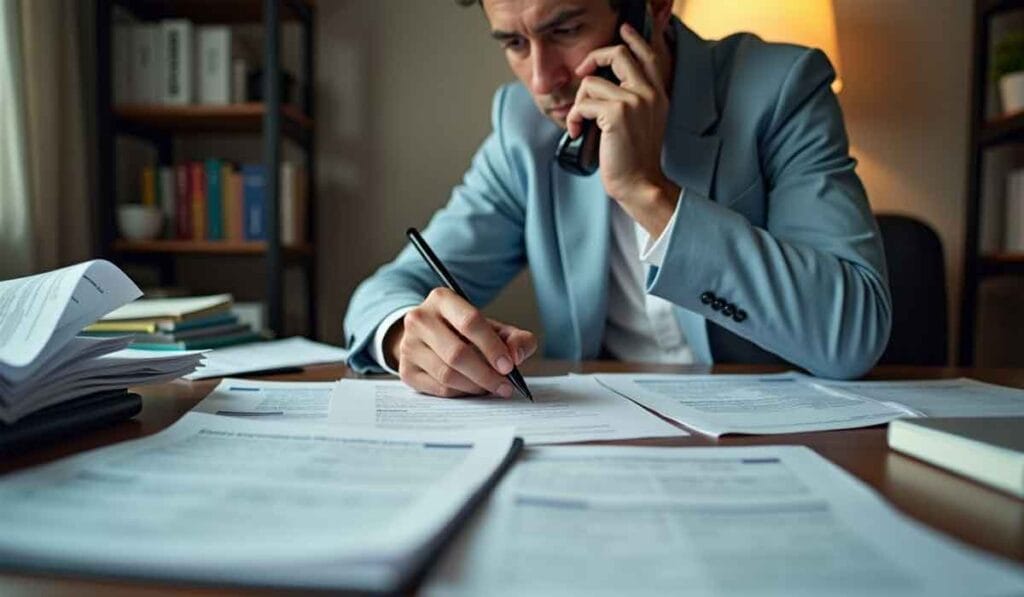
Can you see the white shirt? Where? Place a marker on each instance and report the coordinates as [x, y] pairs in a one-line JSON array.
[[640, 327]]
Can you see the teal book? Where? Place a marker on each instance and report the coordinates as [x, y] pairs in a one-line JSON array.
[[214, 200], [203, 343]]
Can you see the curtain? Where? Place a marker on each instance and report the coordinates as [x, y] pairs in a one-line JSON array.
[[16, 257], [45, 180]]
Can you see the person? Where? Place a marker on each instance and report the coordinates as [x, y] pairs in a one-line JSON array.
[[725, 194]]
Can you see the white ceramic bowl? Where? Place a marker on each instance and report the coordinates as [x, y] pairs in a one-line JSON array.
[[139, 222]]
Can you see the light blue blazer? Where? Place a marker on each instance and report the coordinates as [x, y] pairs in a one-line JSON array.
[[773, 219]]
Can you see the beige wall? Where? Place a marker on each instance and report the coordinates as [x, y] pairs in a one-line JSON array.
[[405, 86]]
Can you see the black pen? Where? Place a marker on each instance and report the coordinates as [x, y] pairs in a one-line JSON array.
[[435, 264]]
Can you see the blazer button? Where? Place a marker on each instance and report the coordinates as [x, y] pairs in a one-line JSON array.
[[707, 297], [718, 304], [739, 316], [729, 310]]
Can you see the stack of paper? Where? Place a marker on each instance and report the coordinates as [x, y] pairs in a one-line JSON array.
[[224, 500], [43, 363]]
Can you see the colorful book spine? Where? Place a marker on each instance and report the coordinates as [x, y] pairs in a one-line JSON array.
[[254, 200], [183, 201], [214, 200], [197, 185], [147, 183], [166, 195]]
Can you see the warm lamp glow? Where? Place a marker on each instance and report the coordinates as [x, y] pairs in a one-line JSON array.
[[805, 22]]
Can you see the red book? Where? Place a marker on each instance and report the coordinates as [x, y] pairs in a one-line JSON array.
[[197, 192], [183, 200]]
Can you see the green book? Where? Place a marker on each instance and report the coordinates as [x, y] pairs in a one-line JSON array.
[[203, 343]]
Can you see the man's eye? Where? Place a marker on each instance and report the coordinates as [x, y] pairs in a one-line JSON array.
[[566, 31], [514, 44]]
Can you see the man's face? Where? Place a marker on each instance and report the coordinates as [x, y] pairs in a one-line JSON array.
[[545, 40]]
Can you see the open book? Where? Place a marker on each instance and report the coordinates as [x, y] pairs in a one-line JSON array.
[[42, 360]]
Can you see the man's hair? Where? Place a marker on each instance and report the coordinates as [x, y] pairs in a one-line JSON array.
[[615, 3]]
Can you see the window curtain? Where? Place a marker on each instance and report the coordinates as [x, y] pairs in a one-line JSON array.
[[45, 166]]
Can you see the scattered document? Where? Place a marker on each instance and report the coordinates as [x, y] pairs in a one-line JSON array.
[[566, 409], [961, 397], [40, 314], [264, 356], [771, 520], [43, 362], [227, 500], [760, 404], [270, 400], [174, 309]]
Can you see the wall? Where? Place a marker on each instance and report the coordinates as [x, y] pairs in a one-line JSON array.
[[405, 87]]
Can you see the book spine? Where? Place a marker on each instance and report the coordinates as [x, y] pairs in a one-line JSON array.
[[239, 81], [197, 185], [225, 200], [147, 183], [166, 193], [121, 64], [214, 205], [237, 199], [176, 36], [144, 41], [288, 203], [1013, 240], [254, 201], [183, 201], [214, 64]]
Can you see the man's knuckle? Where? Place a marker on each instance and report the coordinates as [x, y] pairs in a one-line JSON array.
[[470, 320], [456, 353]]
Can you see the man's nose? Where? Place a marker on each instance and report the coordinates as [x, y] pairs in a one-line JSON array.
[[550, 72]]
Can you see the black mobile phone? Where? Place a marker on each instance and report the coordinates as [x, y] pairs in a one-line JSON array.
[[580, 155]]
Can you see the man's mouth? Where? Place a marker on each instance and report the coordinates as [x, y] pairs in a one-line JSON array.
[[560, 112]]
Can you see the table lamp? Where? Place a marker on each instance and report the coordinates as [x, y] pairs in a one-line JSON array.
[[806, 22]]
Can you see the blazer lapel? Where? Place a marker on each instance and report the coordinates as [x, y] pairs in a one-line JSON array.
[[583, 228], [690, 152]]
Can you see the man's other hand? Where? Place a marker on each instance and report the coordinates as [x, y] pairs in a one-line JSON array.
[[446, 347]]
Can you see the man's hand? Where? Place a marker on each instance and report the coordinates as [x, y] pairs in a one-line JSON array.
[[446, 347], [632, 118]]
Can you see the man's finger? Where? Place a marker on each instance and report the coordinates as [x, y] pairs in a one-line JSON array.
[[642, 51], [422, 382], [471, 324], [462, 356], [521, 343], [427, 360], [621, 61]]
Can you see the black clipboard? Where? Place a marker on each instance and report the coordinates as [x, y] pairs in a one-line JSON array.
[[68, 418]]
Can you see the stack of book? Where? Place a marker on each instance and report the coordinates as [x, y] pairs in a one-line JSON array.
[[188, 323]]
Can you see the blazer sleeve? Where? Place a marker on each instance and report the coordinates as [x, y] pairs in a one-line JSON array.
[[478, 235], [812, 285]]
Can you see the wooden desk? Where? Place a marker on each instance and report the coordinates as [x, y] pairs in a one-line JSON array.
[[973, 513]]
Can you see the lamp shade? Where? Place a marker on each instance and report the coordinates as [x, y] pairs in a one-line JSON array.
[[805, 22]]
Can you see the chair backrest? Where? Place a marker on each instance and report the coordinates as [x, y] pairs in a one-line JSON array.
[[917, 278]]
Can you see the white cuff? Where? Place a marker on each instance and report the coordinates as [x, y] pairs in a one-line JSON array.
[[377, 346], [653, 253]]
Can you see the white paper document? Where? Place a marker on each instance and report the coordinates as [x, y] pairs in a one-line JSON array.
[[270, 400], [961, 397], [263, 356], [751, 521], [40, 314], [229, 500], [566, 409], [760, 404]]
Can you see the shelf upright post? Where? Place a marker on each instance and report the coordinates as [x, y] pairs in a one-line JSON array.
[[969, 298], [271, 159], [103, 218], [309, 75]]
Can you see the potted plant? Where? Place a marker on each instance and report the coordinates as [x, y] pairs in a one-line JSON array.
[[1008, 71]]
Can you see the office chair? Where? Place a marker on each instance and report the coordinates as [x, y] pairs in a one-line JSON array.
[[917, 278]]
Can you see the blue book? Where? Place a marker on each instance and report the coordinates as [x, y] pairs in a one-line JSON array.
[[254, 200], [214, 200]]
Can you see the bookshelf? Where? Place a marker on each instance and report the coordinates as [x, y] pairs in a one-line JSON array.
[[160, 124], [987, 132]]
